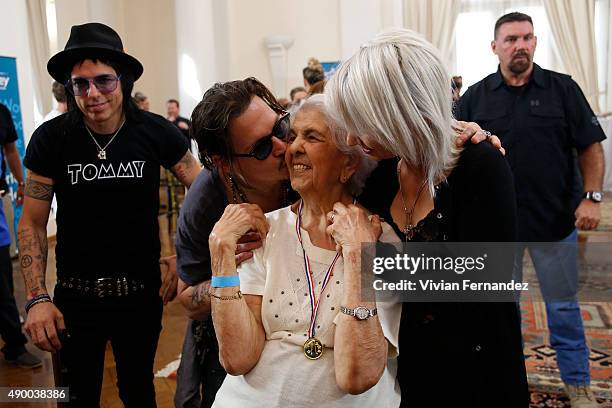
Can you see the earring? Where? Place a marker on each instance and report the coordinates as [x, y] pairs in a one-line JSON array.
[[236, 191]]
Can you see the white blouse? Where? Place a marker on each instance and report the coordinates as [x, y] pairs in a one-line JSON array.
[[283, 376]]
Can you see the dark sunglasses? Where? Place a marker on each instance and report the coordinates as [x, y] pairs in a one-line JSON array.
[[79, 86], [263, 147]]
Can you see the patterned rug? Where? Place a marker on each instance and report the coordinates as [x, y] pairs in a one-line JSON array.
[[544, 381], [606, 214]]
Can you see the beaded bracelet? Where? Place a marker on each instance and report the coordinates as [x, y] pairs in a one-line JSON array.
[[37, 299]]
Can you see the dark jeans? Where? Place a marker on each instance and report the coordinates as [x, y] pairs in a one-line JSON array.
[[10, 327], [132, 325], [200, 374]]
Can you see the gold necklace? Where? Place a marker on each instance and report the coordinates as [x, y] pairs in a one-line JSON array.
[[408, 213]]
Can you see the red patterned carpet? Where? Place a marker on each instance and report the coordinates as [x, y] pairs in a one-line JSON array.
[[544, 380]]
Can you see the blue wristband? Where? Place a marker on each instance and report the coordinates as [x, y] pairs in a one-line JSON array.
[[224, 281]]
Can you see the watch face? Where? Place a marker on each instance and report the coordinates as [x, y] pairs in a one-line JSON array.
[[362, 313], [597, 196]]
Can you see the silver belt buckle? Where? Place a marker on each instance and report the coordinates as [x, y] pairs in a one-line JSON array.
[[103, 287]]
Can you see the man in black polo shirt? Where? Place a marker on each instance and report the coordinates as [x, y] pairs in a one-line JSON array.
[[542, 119]]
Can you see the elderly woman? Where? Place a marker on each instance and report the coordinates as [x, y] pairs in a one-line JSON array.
[[294, 326], [394, 99]]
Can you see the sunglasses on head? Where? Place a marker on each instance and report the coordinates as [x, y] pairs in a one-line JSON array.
[[263, 147], [79, 86]]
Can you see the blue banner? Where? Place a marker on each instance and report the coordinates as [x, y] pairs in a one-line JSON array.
[[9, 96], [330, 68]]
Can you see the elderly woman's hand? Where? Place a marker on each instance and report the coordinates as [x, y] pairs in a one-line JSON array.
[[236, 221], [472, 131], [351, 225]]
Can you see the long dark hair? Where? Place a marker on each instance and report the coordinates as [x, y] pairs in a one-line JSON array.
[[220, 104], [74, 115]]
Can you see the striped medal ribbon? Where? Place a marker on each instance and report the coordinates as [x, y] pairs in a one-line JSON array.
[[313, 348]]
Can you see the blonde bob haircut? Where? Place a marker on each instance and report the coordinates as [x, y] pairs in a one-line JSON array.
[[396, 90]]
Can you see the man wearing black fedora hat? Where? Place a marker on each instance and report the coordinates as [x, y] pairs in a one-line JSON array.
[[101, 160]]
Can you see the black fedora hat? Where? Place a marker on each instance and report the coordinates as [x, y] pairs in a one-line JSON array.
[[91, 40]]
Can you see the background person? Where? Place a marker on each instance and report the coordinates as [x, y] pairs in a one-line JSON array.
[[313, 73], [297, 94], [142, 101], [543, 118], [59, 94], [10, 327], [173, 115]]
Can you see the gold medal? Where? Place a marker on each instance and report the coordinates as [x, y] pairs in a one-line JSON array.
[[313, 348]]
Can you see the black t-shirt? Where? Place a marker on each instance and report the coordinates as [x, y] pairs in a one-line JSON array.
[[107, 209], [541, 125], [7, 128], [203, 207]]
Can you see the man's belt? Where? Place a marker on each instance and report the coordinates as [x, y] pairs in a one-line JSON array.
[[103, 287]]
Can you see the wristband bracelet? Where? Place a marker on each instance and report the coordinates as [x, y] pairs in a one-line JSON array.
[[37, 299], [224, 281], [235, 296]]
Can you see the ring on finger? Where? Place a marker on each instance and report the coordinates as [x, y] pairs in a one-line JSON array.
[[486, 133]]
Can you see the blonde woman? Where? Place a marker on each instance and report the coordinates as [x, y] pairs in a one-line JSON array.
[[394, 99]]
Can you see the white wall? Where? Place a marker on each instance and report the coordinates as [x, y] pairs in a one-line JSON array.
[[225, 38], [360, 20], [14, 34], [314, 24], [201, 48], [150, 35]]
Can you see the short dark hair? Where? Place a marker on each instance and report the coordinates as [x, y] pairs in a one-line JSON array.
[[140, 97], [178, 105], [220, 104], [296, 90], [510, 18], [59, 92], [127, 85]]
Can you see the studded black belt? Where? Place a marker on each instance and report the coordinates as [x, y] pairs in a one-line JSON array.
[[103, 287]]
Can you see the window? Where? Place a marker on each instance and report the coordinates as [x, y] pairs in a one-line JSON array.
[[474, 32]]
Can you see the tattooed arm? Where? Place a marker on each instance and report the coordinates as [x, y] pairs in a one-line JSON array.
[[195, 299], [187, 169], [44, 319]]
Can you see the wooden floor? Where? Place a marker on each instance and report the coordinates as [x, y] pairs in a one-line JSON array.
[[170, 344]]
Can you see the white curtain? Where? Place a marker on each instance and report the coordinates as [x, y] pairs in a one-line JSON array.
[[435, 19], [39, 54], [572, 25]]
